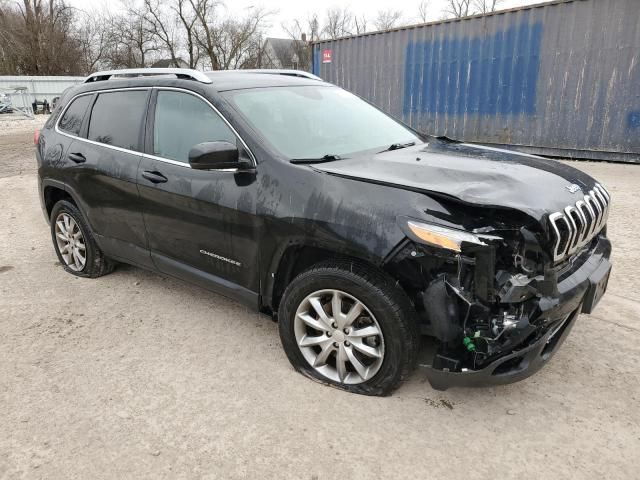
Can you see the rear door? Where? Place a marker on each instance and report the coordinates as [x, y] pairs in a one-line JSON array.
[[201, 225], [103, 163]]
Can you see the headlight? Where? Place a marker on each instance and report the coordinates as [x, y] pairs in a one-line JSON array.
[[438, 236]]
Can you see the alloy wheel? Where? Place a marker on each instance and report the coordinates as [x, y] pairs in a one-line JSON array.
[[70, 241], [339, 336]]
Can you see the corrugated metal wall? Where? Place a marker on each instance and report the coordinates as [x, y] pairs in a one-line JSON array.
[[40, 88], [560, 78]]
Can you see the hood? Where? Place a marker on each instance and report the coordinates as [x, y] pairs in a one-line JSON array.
[[471, 174]]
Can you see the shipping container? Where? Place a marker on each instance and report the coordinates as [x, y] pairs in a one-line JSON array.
[[560, 78]]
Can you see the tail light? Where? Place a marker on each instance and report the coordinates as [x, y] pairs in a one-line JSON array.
[[36, 137]]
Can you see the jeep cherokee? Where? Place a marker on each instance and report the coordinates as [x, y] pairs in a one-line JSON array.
[[359, 235]]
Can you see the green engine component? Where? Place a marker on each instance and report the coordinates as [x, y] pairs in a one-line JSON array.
[[468, 343]]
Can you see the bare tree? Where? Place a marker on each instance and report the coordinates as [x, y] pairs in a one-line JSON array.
[[131, 44], [486, 6], [240, 41], [93, 40], [302, 33], [37, 38], [188, 19], [229, 42], [205, 33], [41, 37], [360, 24], [338, 23], [160, 26], [458, 8], [387, 19], [423, 11]]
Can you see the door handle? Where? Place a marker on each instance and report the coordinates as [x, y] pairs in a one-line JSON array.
[[154, 177], [77, 157]]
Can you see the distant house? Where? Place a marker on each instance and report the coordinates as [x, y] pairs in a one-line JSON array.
[[169, 63], [280, 53]]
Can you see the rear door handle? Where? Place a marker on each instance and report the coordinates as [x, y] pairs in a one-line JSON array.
[[154, 177], [77, 157]]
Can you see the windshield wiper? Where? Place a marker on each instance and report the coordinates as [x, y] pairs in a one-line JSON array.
[[330, 157], [397, 146]]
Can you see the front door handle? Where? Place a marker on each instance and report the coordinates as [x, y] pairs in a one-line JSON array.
[[77, 157], [154, 177]]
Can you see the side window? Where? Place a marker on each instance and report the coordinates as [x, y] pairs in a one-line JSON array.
[[182, 121], [71, 121], [117, 118]]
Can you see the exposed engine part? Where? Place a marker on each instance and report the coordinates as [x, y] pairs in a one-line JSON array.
[[516, 288], [504, 324], [524, 264], [442, 310], [484, 302]]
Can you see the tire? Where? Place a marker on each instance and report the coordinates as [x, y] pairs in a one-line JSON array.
[[65, 218], [387, 358]]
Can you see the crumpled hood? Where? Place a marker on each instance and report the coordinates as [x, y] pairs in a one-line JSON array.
[[472, 174]]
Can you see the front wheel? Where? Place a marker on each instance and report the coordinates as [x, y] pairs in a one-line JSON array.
[[349, 326]]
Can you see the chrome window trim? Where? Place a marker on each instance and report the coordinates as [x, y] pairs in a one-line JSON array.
[[92, 142], [235, 132], [148, 155]]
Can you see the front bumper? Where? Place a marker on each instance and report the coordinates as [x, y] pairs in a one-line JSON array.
[[577, 293]]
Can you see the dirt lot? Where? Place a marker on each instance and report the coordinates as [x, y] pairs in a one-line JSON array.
[[134, 375]]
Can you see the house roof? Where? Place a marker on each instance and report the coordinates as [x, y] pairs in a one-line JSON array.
[[283, 48], [168, 63]]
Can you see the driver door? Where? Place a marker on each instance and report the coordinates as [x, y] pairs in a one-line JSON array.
[[201, 224]]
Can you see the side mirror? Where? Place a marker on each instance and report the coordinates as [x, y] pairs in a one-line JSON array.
[[215, 156]]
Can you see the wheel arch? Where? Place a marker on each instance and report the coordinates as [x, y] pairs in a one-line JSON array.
[[296, 258], [53, 191], [52, 194]]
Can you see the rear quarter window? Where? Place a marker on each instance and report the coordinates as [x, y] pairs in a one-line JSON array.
[[71, 121], [117, 119]]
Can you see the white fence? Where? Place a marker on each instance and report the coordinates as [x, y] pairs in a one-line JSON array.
[[39, 88]]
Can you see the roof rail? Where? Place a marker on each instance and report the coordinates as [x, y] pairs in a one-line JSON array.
[[141, 72], [280, 71]]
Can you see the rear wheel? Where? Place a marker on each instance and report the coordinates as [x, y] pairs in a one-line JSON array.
[[74, 243], [349, 326]]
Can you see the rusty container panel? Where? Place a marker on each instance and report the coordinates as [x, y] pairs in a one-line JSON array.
[[560, 78]]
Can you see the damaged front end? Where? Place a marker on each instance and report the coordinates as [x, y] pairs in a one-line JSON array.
[[492, 296]]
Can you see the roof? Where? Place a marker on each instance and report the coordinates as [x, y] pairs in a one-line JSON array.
[[236, 80], [221, 80]]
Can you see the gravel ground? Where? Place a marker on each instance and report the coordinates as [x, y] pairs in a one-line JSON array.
[[135, 375], [16, 135]]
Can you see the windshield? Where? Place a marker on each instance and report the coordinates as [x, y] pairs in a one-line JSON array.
[[317, 121]]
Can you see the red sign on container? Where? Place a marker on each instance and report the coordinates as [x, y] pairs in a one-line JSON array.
[[326, 56]]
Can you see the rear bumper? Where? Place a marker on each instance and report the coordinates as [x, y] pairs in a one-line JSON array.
[[578, 293]]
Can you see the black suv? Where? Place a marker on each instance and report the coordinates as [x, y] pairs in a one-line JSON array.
[[359, 235]]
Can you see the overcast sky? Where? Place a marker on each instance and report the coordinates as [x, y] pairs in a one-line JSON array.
[[288, 10]]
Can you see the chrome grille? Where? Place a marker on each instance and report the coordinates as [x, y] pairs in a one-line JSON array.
[[577, 224]]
